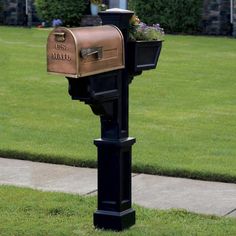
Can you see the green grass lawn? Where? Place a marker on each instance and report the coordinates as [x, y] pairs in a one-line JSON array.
[[183, 114], [25, 212]]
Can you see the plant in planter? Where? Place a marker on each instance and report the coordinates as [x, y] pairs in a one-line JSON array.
[[145, 45]]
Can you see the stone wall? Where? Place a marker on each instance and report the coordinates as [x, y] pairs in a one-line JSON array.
[[10, 12], [14, 13], [216, 17], [234, 23]]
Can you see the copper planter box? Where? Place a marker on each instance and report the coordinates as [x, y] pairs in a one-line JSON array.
[[84, 51]]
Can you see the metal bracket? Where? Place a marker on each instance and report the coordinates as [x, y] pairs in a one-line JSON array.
[[85, 52]]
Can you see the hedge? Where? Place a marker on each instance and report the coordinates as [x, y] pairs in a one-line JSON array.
[[173, 15], [69, 11]]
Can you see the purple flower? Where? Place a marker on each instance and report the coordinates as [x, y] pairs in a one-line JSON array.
[[156, 26], [56, 22], [142, 25]]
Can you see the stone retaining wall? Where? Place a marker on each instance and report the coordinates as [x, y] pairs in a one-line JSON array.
[[216, 17], [10, 12], [14, 12], [234, 19]]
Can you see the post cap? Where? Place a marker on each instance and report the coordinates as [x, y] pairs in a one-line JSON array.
[[118, 10]]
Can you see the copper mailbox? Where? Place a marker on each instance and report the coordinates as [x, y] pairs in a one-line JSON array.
[[84, 51]]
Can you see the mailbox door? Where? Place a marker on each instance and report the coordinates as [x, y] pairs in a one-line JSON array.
[[62, 53]]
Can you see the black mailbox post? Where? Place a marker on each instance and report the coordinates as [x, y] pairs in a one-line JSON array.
[[107, 93]]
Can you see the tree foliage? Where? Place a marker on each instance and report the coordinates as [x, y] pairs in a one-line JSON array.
[[69, 11], [173, 15]]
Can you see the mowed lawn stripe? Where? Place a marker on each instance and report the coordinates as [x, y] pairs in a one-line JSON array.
[[183, 114]]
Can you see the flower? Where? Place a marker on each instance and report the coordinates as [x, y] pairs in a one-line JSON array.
[[102, 7], [140, 31], [96, 2], [56, 22], [134, 20]]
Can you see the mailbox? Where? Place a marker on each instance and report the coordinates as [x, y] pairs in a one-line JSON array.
[[85, 51], [93, 61]]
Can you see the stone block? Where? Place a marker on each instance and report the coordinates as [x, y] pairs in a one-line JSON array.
[[234, 20], [216, 17]]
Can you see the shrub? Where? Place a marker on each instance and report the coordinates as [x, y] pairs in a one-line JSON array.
[[173, 15], [69, 11]]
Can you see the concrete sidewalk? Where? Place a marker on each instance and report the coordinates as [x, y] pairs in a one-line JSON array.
[[148, 190]]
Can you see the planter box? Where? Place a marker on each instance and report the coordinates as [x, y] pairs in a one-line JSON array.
[[143, 55]]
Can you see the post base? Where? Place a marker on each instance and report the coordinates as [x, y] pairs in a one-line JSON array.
[[112, 220]]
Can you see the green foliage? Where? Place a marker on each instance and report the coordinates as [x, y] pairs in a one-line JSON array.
[[173, 15], [70, 11], [131, 5]]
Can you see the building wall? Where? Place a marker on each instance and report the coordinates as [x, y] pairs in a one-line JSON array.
[[216, 17]]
